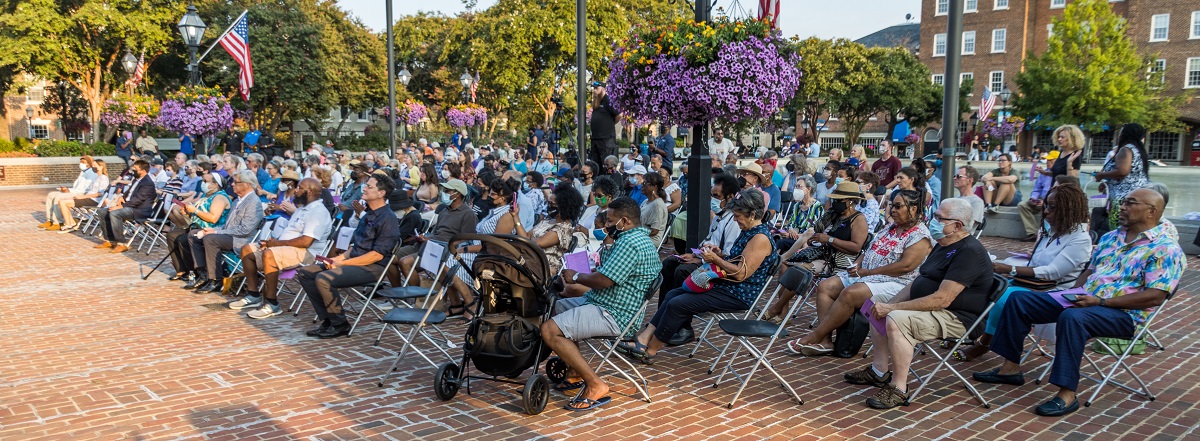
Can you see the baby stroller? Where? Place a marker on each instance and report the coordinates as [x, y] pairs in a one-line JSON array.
[[504, 339]]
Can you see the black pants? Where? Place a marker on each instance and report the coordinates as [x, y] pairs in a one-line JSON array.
[[682, 305], [321, 287], [208, 250], [674, 272], [602, 148], [180, 250]]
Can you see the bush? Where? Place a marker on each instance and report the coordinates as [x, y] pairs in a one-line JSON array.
[[16, 155], [74, 148], [7, 146]]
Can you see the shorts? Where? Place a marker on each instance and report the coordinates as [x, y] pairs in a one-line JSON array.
[[284, 257], [86, 202], [919, 326], [580, 321], [881, 289], [1015, 200]]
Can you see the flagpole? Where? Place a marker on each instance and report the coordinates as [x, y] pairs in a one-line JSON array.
[[223, 34]]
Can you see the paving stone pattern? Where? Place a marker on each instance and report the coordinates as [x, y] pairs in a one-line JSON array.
[[93, 352]]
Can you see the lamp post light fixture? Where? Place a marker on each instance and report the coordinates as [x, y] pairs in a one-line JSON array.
[[192, 28], [1005, 95], [29, 120], [466, 81], [129, 62], [404, 76]]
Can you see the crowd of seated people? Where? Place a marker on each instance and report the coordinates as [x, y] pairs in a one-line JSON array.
[[927, 276]]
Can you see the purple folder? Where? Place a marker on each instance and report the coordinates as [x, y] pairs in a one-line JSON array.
[[878, 324], [1058, 296], [578, 262]]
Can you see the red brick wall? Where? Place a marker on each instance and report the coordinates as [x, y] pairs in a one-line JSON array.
[[47, 174]]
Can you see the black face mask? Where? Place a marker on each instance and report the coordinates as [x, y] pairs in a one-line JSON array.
[[791, 167], [354, 175], [612, 231], [741, 182], [839, 205]]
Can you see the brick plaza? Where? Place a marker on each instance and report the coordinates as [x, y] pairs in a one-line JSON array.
[[91, 351]]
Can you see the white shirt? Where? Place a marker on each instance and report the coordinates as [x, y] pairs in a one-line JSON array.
[[628, 163], [335, 180], [720, 149], [723, 232], [1059, 259], [311, 220]]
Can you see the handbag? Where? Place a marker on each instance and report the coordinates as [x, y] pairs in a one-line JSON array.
[[810, 254], [701, 279], [1033, 283], [850, 336]]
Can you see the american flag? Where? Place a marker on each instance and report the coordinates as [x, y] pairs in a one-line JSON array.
[[474, 86], [237, 43], [140, 72], [769, 10], [987, 104]]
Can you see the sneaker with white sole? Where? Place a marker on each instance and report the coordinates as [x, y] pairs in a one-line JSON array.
[[265, 311], [246, 302]]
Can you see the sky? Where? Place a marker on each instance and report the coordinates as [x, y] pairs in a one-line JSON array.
[[850, 19]]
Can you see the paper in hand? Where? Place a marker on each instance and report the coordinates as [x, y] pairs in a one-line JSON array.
[[578, 262]]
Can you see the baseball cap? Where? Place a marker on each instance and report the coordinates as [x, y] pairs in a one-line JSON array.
[[456, 185]]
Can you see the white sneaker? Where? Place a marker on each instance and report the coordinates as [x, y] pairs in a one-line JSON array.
[[246, 302], [264, 311]]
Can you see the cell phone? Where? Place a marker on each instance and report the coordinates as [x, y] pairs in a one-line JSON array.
[[697, 251], [323, 259], [1073, 298]]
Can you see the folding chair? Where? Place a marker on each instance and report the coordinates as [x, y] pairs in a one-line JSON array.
[[366, 296], [608, 345], [152, 229], [137, 227], [286, 275], [417, 319], [979, 228], [233, 258], [713, 317], [1141, 332], [743, 330], [831, 271], [999, 284], [433, 260], [93, 221], [666, 231]]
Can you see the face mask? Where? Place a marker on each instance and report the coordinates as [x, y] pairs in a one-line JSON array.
[[757, 154], [715, 205], [205, 187], [633, 181], [937, 163], [446, 199], [599, 234], [741, 182], [838, 205], [82, 166], [525, 187], [602, 200], [613, 231], [445, 174], [355, 175], [827, 173], [283, 188], [791, 167], [1045, 225]]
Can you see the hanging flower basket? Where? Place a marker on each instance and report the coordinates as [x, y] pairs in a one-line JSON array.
[[133, 110], [466, 115], [690, 73], [411, 113], [997, 132], [196, 110], [912, 138]]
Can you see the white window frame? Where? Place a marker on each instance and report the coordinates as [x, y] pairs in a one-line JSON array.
[[938, 9], [1058, 4], [945, 44], [1193, 65], [963, 77], [997, 6], [992, 81], [939, 79], [1195, 34], [40, 131], [29, 95], [1003, 39], [964, 43], [967, 6], [1050, 30], [1166, 27], [364, 115], [1158, 68]]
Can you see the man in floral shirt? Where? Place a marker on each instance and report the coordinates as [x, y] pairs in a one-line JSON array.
[[1133, 269]]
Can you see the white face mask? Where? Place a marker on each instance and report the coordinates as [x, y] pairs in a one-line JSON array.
[[205, 187], [82, 166]]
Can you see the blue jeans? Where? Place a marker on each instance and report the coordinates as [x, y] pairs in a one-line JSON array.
[[1075, 327]]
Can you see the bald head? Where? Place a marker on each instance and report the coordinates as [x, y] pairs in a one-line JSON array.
[[1142, 209], [311, 187]]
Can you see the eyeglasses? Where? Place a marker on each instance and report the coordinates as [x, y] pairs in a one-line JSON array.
[[900, 206], [1127, 202], [960, 176], [943, 220]]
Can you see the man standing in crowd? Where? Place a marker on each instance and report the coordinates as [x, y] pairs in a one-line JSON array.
[[603, 124]]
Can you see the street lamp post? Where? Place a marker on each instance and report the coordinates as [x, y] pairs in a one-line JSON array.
[[404, 77], [391, 62], [29, 120], [129, 63], [1005, 95], [699, 167], [466, 81], [192, 28]]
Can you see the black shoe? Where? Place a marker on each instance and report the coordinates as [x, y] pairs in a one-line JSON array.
[[682, 337], [1056, 407], [315, 332], [993, 376], [196, 282], [335, 331], [178, 276], [210, 286]]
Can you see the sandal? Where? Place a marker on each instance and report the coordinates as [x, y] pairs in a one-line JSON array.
[[569, 385], [966, 355], [637, 352], [949, 343], [591, 404]]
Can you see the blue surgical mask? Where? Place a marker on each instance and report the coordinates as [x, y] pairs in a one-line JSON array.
[[1045, 225], [446, 198], [599, 233], [633, 181], [715, 205], [525, 187]]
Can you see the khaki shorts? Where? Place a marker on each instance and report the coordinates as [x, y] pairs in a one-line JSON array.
[[285, 257], [919, 326]]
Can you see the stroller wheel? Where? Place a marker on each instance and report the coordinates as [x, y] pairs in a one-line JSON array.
[[535, 395], [445, 382], [556, 370]]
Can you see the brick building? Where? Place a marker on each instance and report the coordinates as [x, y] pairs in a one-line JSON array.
[[998, 36], [25, 117]]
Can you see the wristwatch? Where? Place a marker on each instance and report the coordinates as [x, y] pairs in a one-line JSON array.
[[830, 241], [1012, 272], [573, 277], [1102, 299]]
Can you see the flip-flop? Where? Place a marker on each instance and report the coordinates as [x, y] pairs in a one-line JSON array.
[[637, 352], [569, 385], [591, 404]]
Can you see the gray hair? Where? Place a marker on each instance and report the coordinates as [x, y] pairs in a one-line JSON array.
[[610, 161], [809, 182], [749, 203], [960, 210], [1161, 189], [312, 160], [248, 176], [290, 164], [203, 158], [255, 157], [237, 162]]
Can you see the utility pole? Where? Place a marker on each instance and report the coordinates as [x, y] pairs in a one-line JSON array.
[[950, 112], [699, 169], [580, 79]]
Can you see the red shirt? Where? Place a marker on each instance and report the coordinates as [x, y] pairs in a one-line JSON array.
[[887, 169]]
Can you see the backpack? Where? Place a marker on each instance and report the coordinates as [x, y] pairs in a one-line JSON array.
[[849, 337]]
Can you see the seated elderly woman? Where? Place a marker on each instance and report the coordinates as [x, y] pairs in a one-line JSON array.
[[746, 266], [1062, 250], [87, 174], [833, 242], [889, 266], [948, 295], [209, 210], [90, 198]]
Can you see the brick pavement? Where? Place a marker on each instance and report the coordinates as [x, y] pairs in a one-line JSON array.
[[93, 352]]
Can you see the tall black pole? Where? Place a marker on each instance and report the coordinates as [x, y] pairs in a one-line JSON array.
[[193, 66], [699, 170], [581, 79], [391, 62], [950, 112]]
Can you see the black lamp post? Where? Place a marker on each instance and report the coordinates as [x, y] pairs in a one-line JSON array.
[[129, 63], [192, 28], [466, 81], [29, 120], [1005, 95], [699, 167]]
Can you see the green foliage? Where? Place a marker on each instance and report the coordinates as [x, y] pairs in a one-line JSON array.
[[74, 148], [7, 146], [1091, 74], [377, 140], [858, 79], [904, 92]]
